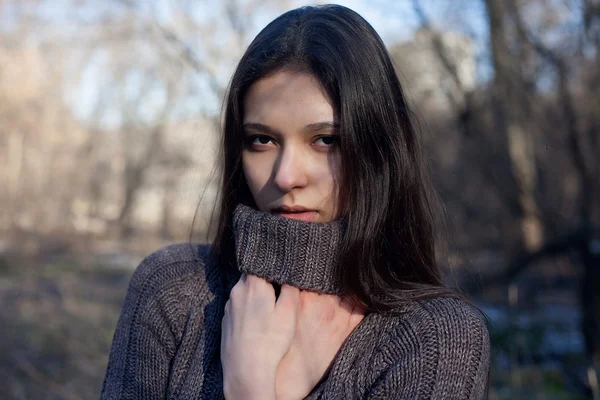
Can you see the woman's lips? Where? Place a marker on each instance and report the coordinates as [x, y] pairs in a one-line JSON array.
[[306, 216]]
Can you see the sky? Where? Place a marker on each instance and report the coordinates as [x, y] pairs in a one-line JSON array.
[[394, 20]]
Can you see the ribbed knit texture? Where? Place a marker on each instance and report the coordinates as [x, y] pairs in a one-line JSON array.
[[167, 341], [283, 250]]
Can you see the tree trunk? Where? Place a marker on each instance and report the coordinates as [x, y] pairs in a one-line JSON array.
[[510, 112], [16, 155], [135, 173], [169, 190]]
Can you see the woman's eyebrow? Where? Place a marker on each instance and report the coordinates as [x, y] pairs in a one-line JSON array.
[[261, 127], [318, 126]]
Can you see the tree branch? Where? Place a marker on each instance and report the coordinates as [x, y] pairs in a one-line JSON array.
[[524, 260]]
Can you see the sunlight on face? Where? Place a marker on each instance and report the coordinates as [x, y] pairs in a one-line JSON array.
[[291, 154]]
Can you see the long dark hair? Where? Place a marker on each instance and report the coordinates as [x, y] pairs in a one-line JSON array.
[[388, 253]]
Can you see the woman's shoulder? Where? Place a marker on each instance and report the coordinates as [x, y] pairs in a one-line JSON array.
[[166, 287], [443, 320], [174, 267], [448, 313], [443, 341], [182, 257], [446, 339]]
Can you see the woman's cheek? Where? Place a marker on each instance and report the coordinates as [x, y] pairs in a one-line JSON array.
[[257, 170]]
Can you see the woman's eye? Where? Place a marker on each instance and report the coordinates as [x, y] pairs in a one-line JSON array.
[[329, 140], [263, 140], [259, 139]]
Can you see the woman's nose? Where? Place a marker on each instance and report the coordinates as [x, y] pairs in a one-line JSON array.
[[290, 170]]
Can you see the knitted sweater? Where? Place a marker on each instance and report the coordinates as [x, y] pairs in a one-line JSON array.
[[167, 341]]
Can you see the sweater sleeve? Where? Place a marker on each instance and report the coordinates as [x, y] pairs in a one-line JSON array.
[[149, 326], [441, 351]]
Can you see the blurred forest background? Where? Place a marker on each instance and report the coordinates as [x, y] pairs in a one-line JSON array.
[[109, 116]]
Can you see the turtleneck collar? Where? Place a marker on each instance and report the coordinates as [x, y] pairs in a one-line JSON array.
[[284, 250]]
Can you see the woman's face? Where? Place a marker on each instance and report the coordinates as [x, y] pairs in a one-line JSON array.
[[291, 156]]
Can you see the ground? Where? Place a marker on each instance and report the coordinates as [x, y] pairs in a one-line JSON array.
[[59, 312]]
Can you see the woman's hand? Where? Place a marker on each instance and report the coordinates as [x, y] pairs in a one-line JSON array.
[[324, 323], [256, 333]]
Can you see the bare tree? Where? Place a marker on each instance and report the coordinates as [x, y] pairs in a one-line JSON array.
[[531, 118], [157, 67]]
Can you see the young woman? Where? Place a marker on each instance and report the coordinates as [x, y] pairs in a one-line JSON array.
[[321, 282]]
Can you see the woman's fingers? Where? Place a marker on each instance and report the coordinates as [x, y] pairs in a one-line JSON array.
[[254, 338], [288, 300], [226, 314], [253, 289], [287, 306], [288, 294], [260, 287], [239, 289], [257, 291]]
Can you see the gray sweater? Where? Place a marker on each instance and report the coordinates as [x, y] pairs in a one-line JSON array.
[[167, 341]]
